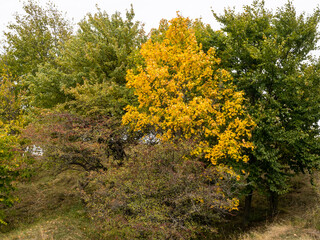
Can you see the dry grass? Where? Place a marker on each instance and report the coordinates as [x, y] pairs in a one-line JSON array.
[[49, 208], [55, 229], [299, 216], [282, 231]]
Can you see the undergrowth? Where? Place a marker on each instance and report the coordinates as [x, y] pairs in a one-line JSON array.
[[49, 207]]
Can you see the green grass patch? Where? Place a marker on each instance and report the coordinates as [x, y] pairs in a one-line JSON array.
[[49, 207]]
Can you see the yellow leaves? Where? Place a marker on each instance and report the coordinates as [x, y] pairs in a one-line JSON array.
[[184, 94], [234, 204]]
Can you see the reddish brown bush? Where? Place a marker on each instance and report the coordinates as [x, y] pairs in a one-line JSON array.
[[69, 140], [158, 194]]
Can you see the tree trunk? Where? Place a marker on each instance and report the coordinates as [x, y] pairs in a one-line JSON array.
[[247, 208], [273, 204]]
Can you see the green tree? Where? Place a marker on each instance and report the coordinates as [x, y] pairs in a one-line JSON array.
[[88, 86], [104, 47], [99, 56], [9, 165], [10, 122], [34, 38], [92, 63], [269, 56], [10, 101]]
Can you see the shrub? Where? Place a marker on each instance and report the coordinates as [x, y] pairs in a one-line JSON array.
[[69, 141], [159, 193]]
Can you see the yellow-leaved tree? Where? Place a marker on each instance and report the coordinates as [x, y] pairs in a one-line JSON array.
[[184, 95]]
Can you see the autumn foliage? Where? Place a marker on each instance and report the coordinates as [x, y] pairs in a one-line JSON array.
[[159, 195], [183, 94], [169, 131], [10, 123], [71, 141]]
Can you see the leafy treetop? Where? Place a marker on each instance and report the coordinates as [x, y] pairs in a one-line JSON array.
[[183, 94]]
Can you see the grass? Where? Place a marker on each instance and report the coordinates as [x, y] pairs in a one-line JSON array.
[[282, 231], [299, 216], [60, 228], [49, 208]]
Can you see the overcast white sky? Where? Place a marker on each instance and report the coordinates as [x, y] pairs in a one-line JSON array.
[[148, 11]]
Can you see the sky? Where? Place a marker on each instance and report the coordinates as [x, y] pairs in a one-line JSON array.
[[150, 12]]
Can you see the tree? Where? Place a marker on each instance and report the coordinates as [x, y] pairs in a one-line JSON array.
[[9, 167], [34, 38], [10, 101], [88, 93], [269, 57], [183, 94], [94, 61], [10, 123], [98, 57], [104, 47]]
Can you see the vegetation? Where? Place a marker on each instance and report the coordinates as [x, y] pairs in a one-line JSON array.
[[183, 94], [269, 56], [10, 123], [34, 38], [122, 135], [172, 198]]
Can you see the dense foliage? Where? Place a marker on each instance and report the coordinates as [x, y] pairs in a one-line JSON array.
[[170, 129], [90, 70], [73, 141], [9, 168], [159, 195], [10, 123], [183, 94], [269, 56], [34, 38]]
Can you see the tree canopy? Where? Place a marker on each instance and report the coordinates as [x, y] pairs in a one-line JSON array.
[[269, 55], [34, 38], [184, 94], [208, 113]]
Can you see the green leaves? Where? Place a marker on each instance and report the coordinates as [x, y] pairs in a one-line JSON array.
[[10, 120], [34, 38], [10, 103], [104, 47], [94, 61], [269, 56]]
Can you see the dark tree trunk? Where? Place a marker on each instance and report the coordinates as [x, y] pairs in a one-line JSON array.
[[247, 208], [273, 204]]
